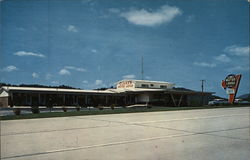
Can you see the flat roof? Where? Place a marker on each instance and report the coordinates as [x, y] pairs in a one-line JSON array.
[[8, 88], [144, 81], [139, 90]]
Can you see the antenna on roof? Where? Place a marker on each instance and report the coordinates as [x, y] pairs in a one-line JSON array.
[[142, 71]]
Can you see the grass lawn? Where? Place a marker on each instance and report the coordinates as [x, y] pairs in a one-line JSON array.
[[106, 111]]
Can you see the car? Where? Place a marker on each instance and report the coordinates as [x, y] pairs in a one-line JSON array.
[[243, 102], [217, 102]]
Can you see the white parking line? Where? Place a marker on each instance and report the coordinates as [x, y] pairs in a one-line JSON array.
[[182, 119]]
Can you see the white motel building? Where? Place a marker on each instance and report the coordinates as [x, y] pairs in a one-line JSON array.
[[126, 93]]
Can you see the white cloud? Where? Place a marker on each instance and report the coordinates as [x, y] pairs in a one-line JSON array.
[[55, 82], [21, 29], [35, 75], [64, 72], [204, 64], [114, 10], [24, 53], [93, 85], [238, 68], [85, 82], [148, 18], [223, 58], [72, 28], [130, 76], [48, 76], [86, 1], [75, 68], [93, 50], [147, 77], [10, 68], [238, 50], [190, 18], [98, 82]]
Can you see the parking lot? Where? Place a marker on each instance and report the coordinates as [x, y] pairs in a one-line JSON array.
[[207, 134]]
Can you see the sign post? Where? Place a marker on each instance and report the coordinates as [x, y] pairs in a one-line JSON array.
[[231, 85]]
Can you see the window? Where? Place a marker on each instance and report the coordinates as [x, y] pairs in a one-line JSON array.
[[144, 85], [151, 85], [163, 86]]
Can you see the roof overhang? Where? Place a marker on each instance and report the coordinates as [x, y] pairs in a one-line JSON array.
[[54, 90]]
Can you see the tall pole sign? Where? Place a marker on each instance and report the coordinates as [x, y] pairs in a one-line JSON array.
[[231, 85]]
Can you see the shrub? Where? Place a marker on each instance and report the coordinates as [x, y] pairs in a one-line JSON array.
[[78, 108], [100, 107], [11, 104], [64, 109], [35, 109], [83, 106], [50, 106], [149, 106], [17, 111], [112, 106]]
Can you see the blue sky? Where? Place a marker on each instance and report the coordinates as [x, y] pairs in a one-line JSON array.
[[94, 43]]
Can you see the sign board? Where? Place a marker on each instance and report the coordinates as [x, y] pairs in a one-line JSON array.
[[230, 91], [230, 81], [231, 85], [125, 84]]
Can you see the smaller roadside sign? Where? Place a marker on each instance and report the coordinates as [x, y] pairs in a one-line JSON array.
[[230, 91]]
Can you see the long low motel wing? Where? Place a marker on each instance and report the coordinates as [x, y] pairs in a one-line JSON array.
[[127, 92]]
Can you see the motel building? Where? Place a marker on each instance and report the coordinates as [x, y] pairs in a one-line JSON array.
[[126, 93]]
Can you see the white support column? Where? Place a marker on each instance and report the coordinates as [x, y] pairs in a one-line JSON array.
[[11, 96], [180, 101], [173, 99]]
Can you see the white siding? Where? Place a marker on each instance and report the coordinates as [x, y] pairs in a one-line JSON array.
[[154, 85], [144, 84], [3, 93]]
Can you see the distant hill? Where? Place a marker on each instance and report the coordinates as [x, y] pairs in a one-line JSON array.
[[37, 86], [181, 89], [244, 97], [216, 97]]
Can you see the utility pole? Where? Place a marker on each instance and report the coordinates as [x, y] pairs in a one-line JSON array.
[[202, 90], [202, 85], [142, 70]]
